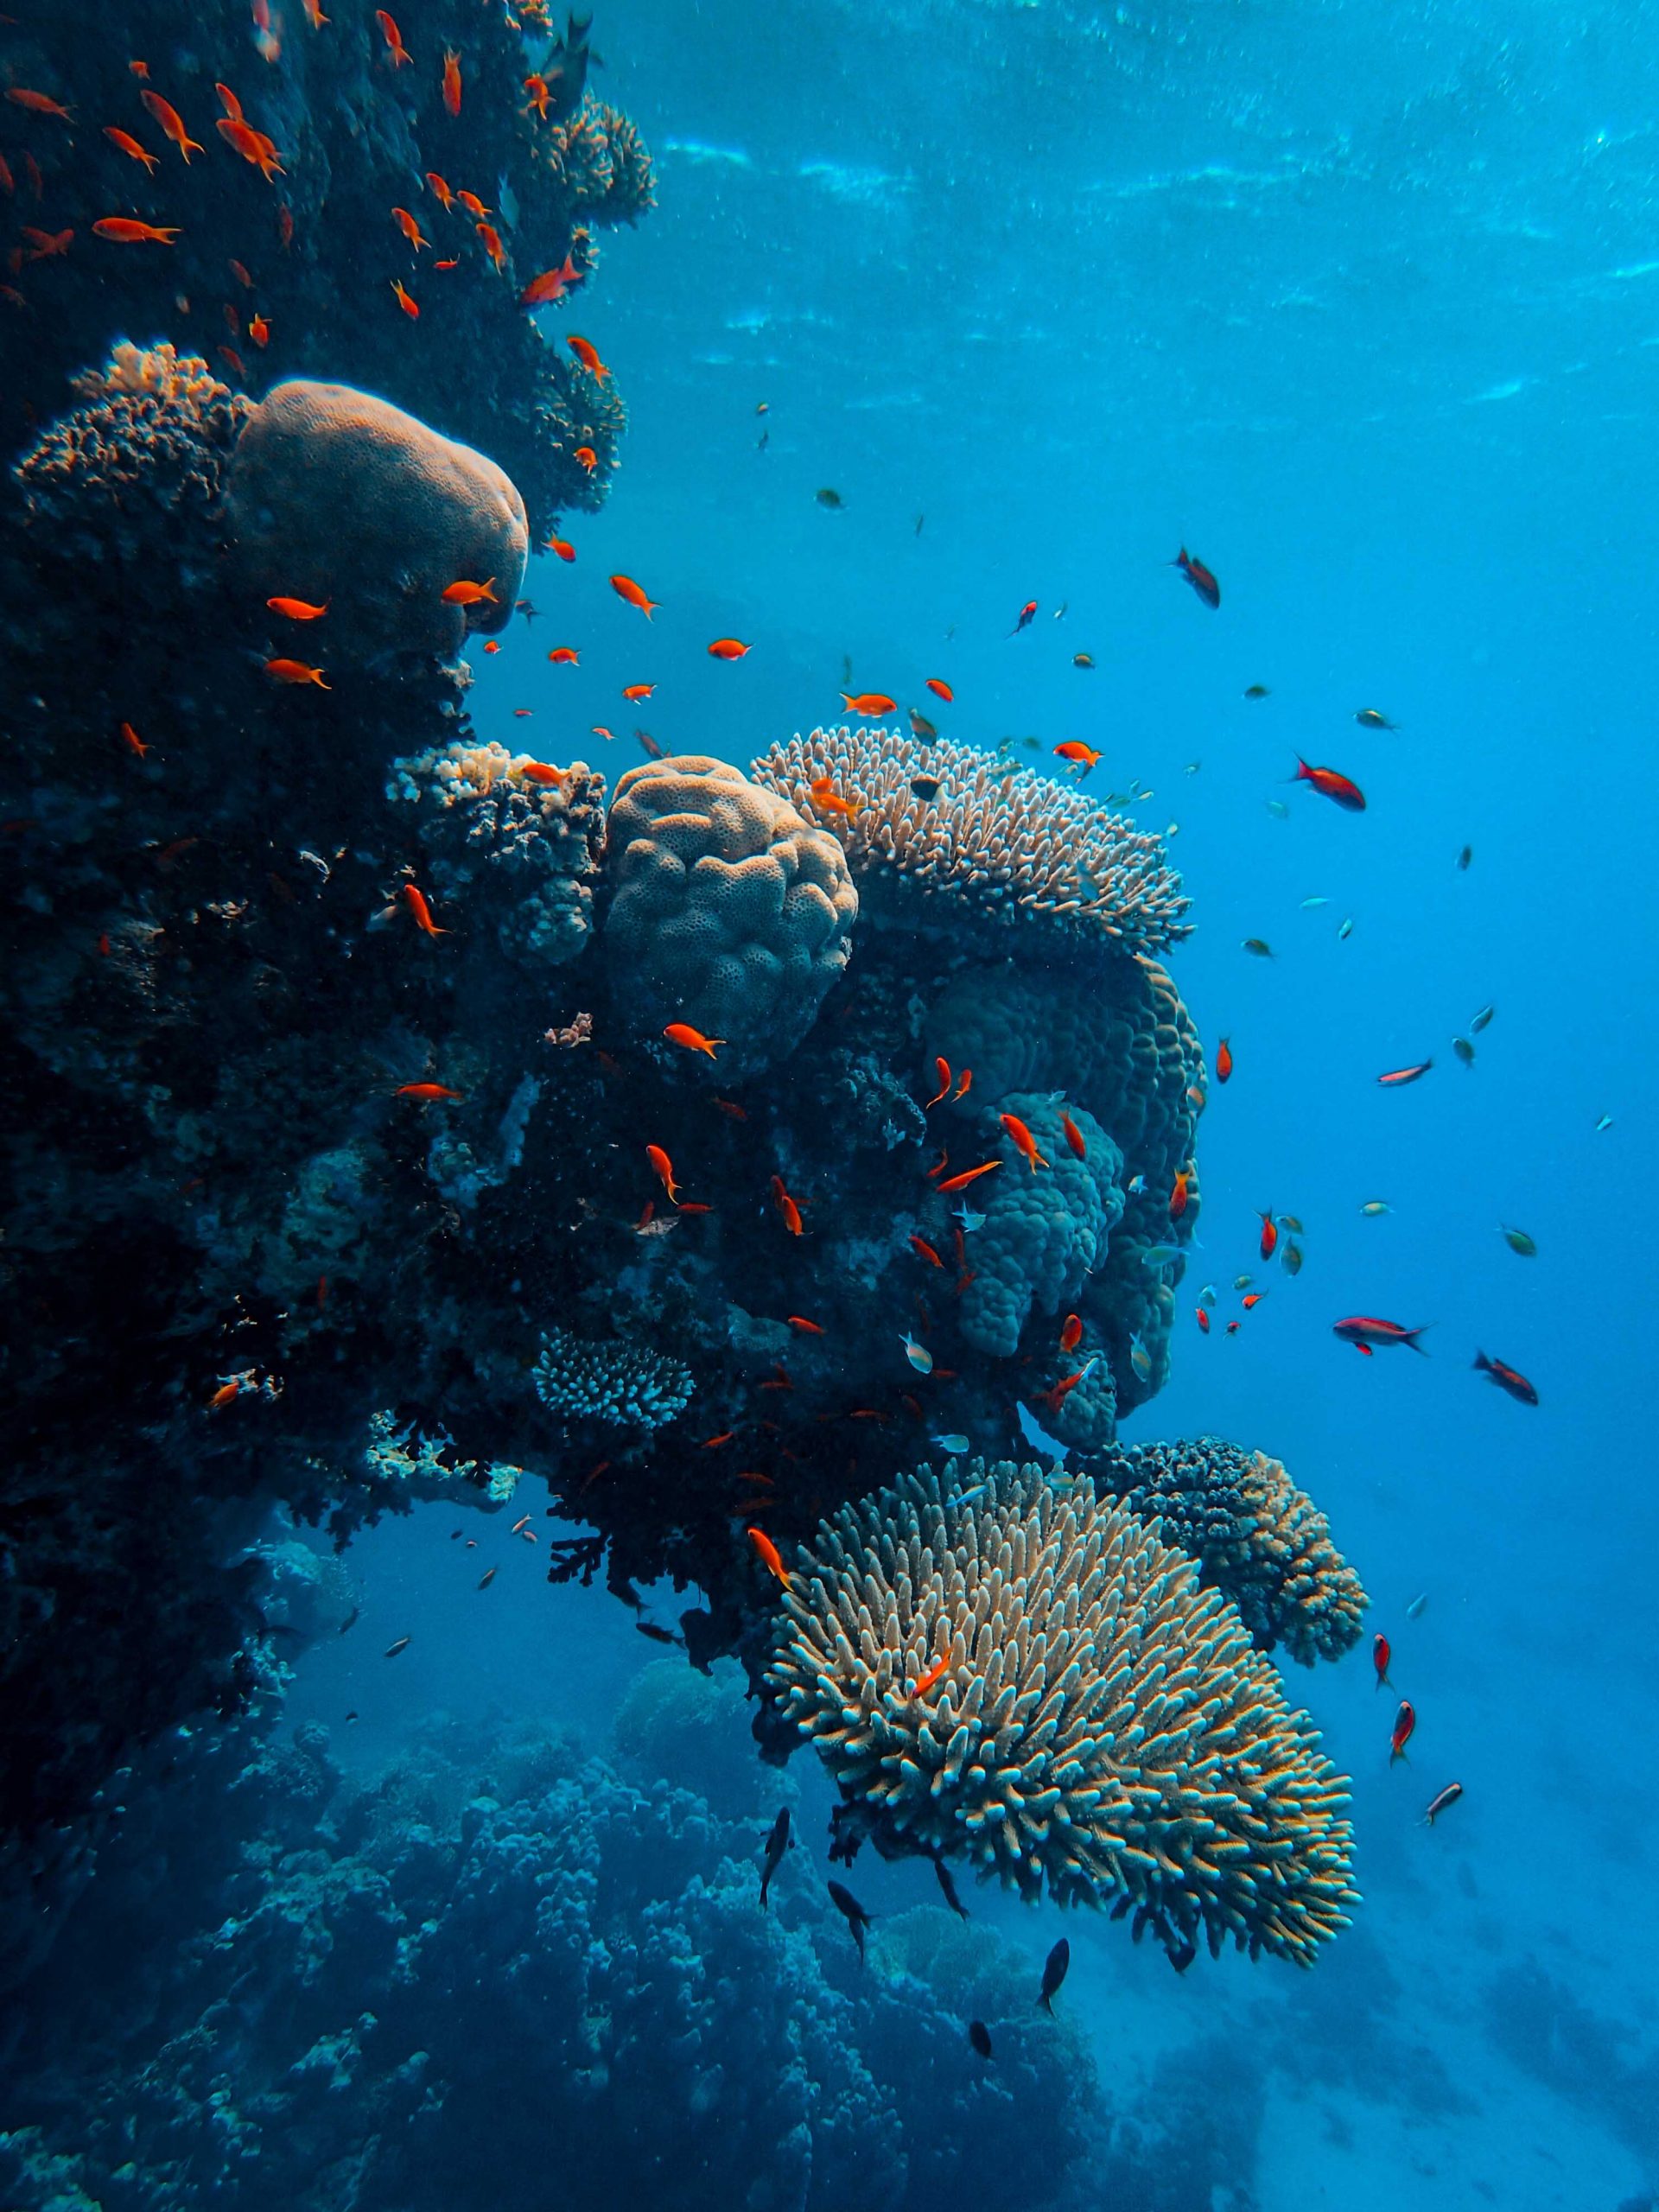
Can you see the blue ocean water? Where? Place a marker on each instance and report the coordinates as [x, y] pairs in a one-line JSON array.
[[1356, 304]]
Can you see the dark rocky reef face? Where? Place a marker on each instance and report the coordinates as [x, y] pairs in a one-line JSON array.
[[308, 255]]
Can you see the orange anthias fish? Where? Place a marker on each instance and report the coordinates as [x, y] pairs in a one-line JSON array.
[[940, 689], [538, 89], [171, 121], [260, 331], [1178, 1196], [637, 691], [665, 1169], [769, 1554], [1201, 579], [963, 1086], [1023, 1140], [587, 458], [452, 82], [691, 1041], [829, 800], [229, 102], [939, 1667], [473, 204], [1223, 1061], [415, 900], [1269, 1241], [1397, 1077], [806, 1328], [969, 1175], [298, 610], [1381, 1655], [410, 229], [464, 592], [1404, 1721], [624, 587], [446, 198], [1071, 1332], [588, 355], [313, 14], [125, 230], [425, 1093], [1075, 750], [1204, 1319], [942, 1077], [1074, 1136], [296, 671], [493, 244], [1253, 1299], [40, 103], [539, 771], [394, 39], [133, 742], [223, 1396], [562, 547], [924, 1251], [867, 702], [410, 308], [729, 648], [565, 657], [551, 284], [786, 1206], [1332, 785], [131, 147], [48, 245]]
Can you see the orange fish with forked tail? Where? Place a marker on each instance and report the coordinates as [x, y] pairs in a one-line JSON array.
[[624, 587], [1023, 1142], [691, 1040], [867, 702], [296, 671], [126, 230], [768, 1553]]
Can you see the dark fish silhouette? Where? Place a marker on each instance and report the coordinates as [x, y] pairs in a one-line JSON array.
[[1024, 622], [830, 497], [489, 1577], [1465, 857], [1201, 579], [1507, 1378], [924, 787], [1054, 1967], [1256, 691], [1182, 1956], [852, 1912], [566, 68], [778, 1843], [657, 1633], [980, 2036], [950, 1889], [1369, 718], [1443, 1802], [402, 1644]]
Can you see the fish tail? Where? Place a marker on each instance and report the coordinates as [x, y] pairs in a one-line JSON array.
[[1482, 1364]]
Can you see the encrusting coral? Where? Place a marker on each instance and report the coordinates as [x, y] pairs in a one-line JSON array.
[[1256, 1538], [621, 1385], [1044, 1230], [1014, 847], [725, 909], [1101, 1727], [341, 500]]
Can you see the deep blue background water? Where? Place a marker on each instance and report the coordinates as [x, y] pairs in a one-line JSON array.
[[1361, 303]]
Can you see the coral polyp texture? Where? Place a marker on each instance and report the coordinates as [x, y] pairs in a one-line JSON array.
[[1010, 846], [726, 911], [618, 1385], [1257, 1537], [341, 499], [1103, 1728]]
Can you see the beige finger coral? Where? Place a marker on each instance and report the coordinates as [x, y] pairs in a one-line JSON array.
[[343, 499], [726, 911], [1103, 1728], [1015, 849], [1256, 1535]]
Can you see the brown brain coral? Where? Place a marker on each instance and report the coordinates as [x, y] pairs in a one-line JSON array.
[[1015, 847], [1104, 1726], [726, 910], [1256, 1535], [336, 496]]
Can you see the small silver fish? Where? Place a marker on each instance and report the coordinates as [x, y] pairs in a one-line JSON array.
[[1418, 1606], [918, 1355], [955, 1445], [1172, 829], [1346, 931], [1279, 810], [1309, 904], [1192, 767], [1059, 611], [1481, 1019], [1605, 1122]]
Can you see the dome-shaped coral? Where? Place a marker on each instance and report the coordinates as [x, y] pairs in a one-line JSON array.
[[1102, 1727], [727, 911], [337, 497], [1044, 1230], [1257, 1537]]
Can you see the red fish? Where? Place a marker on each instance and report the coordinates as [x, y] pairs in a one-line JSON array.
[[934, 1671], [1074, 1138], [296, 671], [940, 689], [425, 1092], [942, 1077], [1023, 1142], [769, 1554], [1071, 1332], [410, 229], [297, 610], [394, 39], [51, 245], [1253, 1299], [464, 592], [229, 102], [1223, 1061], [133, 742], [786, 1206], [1396, 1077], [1381, 1655], [1075, 750], [586, 458], [493, 244], [562, 547], [125, 230], [1404, 1721], [692, 1040], [446, 198], [551, 284], [637, 691], [867, 702], [1178, 1196], [806, 1328], [171, 121], [540, 771], [965, 1083], [588, 354], [1201, 579], [451, 83], [1364, 1330], [565, 657], [1203, 1319], [1023, 621], [1507, 1378], [1270, 1239], [664, 1169], [260, 331], [410, 306], [131, 147], [415, 900], [625, 588], [729, 648], [1333, 784], [925, 1250], [969, 1175], [40, 104]]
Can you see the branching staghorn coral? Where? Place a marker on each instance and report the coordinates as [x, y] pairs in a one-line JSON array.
[[1006, 844], [1103, 1728], [726, 910], [1257, 1537], [624, 1385]]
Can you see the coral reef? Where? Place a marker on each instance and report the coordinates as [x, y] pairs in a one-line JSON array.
[[291, 273], [1043, 1232], [341, 500], [500, 1943], [1018, 848], [1102, 1728], [619, 1385], [725, 910], [1257, 1537]]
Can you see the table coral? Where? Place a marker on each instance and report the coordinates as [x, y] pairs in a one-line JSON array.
[[724, 909], [341, 499], [1257, 1537], [1013, 848], [619, 1385], [1104, 1728]]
